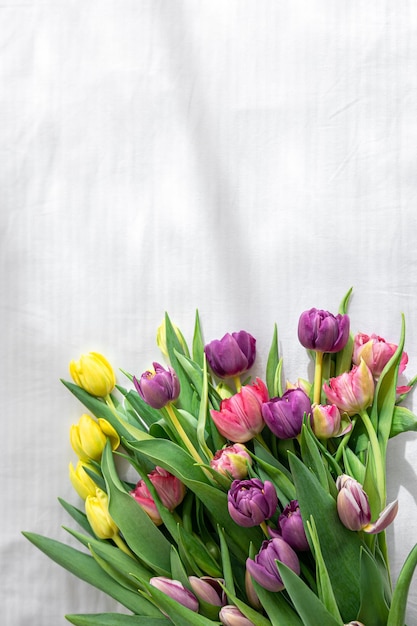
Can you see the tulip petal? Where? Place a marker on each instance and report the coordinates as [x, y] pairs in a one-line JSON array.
[[385, 518]]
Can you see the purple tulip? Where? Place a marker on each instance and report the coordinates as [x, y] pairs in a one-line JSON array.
[[291, 526], [232, 355], [264, 568], [323, 332], [231, 616], [175, 590], [209, 589], [158, 388], [284, 416], [251, 502]]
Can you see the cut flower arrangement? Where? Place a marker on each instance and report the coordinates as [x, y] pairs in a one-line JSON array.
[[254, 501]]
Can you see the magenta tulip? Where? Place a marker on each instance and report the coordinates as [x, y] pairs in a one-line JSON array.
[[323, 332], [251, 502], [264, 568], [232, 355], [175, 590], [284, 416], [292, 528]]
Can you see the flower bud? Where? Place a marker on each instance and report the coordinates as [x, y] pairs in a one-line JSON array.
[[284, 415], [93, 373], [89, 437], [232, 461], [264, 569], [175, 590], [292, 528], [251, 502], [327, 422], [240, 417], [82, 482], [169, 488], [376, 352], [231, 616], [97, 511], [323, 332], [158, 388], [208, 589], [232, 355], [352, 391], [143, 497]]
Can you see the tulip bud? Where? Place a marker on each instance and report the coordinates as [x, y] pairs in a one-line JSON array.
[[161, 338], [376, 352], [89, 437], [284, 416], [208, 589], [143, 497], [231, 616], [94, 374], [82, 482], [327, 422], [240, 417], [158, 388], [232, 355], [292, 528], [353, 391], [97, 511], [175, 590], [323, 332], [251, 502], [264, 569], [232, 461], [169, 488]]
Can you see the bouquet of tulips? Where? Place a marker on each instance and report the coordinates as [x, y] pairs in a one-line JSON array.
[[211, 498]]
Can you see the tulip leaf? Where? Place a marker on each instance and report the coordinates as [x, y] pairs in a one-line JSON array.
[[77, 515], [146, 414], [83, 566], [277, 607], [343, 307], [178, 571], [312, 458], [197, 554], [198, 343], [340, 547], [226, 562], [311, 610], [185, 399], [403, 420], [398, 607], [373, 609], [273, 367], [254, 616], [115, 619], [138, 530]]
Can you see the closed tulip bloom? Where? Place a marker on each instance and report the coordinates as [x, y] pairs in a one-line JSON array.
[[376, 352], [161, 338], [168, 487], [208, 589], [292, 528], [264, 568], [89, 437], [175, 590], [82, 482], [284, 415], [323, 332], [97, 511], [232, 461], [144, 497], [232, 355], [240, 417], [93, 373], [327, 421], [251, 502], [353, 391], [159, 387], [231, 616]]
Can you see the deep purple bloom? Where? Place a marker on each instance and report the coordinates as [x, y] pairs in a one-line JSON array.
[[251, 502], [284, 415], [264, 569], [232, 355], [158, 388], [323, 332], [291, 527]]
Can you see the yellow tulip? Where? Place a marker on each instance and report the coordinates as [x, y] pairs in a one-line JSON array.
[[97, 511], [161, 338], [93, 373], [89, 437], [82, 482]]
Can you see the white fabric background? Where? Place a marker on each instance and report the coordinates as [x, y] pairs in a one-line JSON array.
[[249, 159]]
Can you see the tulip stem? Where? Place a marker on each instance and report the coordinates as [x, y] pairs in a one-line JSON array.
[[318, 374], [264, 527], [378, 462], [238, 383], [184, 437]]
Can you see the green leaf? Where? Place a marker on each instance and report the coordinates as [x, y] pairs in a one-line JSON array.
[[397, 611], [198, 343], [403, 420], [198, 554], [373, 610], [312, 458], [252, 614], [277, 608], [174, 347], [83, 566], [226, 562], [115, 619], [343, 307], [311, 610], [77, 515], [273, 366]]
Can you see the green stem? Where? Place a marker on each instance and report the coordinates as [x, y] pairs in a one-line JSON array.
[[237, 382], [342, 445], [318, 375], [377, 456]]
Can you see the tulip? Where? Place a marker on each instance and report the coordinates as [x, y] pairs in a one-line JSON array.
[[232, 461], [169, 488], [94, 374], [159, 387], [143, 497], [82, 482], [292, 528], [231, 616], [327, 421], [264, 569], [251, 502], [352, 392], [97, 511], [208, 589], [175, 590], [355, 623], [376, 353], [161, 338], [284, 416], [323, 332], [89, 437], [354, 510], [232, 355], [240, 417]]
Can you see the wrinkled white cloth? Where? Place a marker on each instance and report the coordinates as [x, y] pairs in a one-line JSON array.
[[247, 159]]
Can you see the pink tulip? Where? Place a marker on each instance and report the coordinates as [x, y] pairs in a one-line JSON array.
[[169, 488], [353, 391], [376, 352], [326, 421], [232, 461]]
